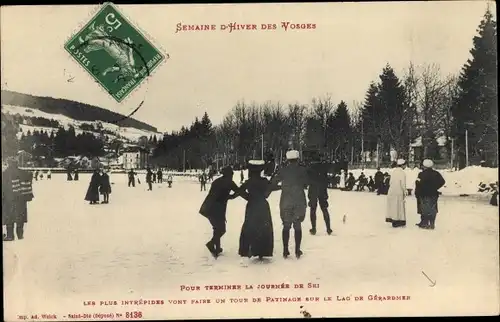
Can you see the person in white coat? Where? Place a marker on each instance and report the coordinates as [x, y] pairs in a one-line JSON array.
[[342, 180], [396, 196]]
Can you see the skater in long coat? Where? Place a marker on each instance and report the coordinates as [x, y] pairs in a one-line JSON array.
[[294, 180], [379, 181], [256, 238], [76, 175], [214, 208], [342, 180], [93, 191], [105, 188], [396, 196], [429, 181], [17, 191]]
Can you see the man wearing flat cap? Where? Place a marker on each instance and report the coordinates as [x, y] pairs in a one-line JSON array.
[[396, 212], [428, 183], [294, 180]]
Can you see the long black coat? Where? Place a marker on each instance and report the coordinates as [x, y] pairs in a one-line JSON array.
[[93, 190], [105, 184], [256, 238], [16, 192], [215, 204]]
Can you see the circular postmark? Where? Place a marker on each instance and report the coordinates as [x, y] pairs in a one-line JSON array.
[[122, 76]]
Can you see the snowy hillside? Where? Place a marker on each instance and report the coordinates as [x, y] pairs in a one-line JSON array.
[[127, 133]]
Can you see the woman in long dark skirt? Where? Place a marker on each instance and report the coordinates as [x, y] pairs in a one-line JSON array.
[[93, 190], [256, 237], [105, 188]]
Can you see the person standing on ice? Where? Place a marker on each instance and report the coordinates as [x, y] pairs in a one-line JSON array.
[[131, 178], [214, 208], [396, 196], [379, 181], [203, 182], [49, 175], [293, 205], [105, 188], [170, 180], [342, 180], [149, 179], [17, 191], [76, 175], [428, 183], [256, 238], [93, 190], [318, 191], [159, 175]]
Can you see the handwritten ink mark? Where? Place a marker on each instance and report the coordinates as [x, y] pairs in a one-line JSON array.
[[432, 283]]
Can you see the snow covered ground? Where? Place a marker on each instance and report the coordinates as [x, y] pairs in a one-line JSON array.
[[146, 245]]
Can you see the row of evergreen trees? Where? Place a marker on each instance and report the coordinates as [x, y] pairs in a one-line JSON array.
[[396, 111], [61, 143]]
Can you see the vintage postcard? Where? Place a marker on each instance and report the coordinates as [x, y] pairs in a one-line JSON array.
[[205, 161]]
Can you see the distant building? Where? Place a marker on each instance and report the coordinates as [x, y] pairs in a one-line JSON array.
[[135, 157], [417, 149]]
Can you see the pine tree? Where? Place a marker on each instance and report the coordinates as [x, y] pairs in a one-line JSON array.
[[371, 118], [476, 108], [342, 128], [395, 117]]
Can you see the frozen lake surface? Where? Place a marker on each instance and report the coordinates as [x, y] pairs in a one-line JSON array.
[[147, 244]]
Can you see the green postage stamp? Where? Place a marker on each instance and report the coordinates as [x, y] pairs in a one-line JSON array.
[[115, 53]]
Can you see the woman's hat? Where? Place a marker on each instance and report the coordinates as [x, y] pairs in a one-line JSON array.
[[428, 163], [256, 165], [401, 162], [292, 155]]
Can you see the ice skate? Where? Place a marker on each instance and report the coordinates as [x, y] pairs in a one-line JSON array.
[[329, 231], [286, 253], [211, 249], [298, 254], [8, 238], [312, 231]]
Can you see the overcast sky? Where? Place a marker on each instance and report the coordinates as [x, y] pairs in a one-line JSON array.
[[211, 70]]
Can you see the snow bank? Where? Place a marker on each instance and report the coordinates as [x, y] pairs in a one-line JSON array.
[[465, 181]]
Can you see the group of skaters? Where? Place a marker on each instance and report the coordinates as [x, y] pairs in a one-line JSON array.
[[256, 238], [492, 189], [204, 178], [347, 182], [152, 176], [40, 174], [72, 174], [427, 186], [99, 184]]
